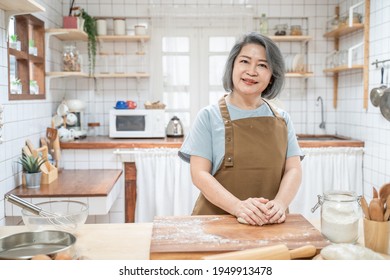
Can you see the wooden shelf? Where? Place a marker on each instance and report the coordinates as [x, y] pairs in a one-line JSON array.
[[17, 54], [124, 38], [67, 34], [344, 30], [122, 75], [299, 75], [97, 75], [343, 68], [66, 74], [19, 7], [289, 38]]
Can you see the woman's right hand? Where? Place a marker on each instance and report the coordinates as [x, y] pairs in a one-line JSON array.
[[252, 211]]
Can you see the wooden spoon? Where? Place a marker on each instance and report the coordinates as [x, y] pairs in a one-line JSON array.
[[374, 193], [376, 210], [384, 192], [364, 204], [387, 212]]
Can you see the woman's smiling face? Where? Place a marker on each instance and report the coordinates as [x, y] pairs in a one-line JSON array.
[[251, 72]]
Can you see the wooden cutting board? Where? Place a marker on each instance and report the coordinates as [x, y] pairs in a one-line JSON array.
[[191, 237]]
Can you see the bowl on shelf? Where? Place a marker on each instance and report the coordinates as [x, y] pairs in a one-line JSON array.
[[66, 215]]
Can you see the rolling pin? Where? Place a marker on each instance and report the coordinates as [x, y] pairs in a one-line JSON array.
[[274, 252]]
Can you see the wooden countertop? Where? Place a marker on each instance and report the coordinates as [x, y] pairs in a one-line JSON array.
[[75, 183], [104, 142]]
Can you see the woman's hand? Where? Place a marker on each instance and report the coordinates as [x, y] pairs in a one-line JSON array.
[[252, 210], [276, 212]]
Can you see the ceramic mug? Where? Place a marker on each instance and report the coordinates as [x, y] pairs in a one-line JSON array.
[[66, 135]]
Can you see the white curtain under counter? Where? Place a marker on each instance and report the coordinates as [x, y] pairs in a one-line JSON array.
[[164, 186]]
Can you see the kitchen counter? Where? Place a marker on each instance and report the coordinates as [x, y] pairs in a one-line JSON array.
[[75, 183], [104, 142], [98, 188], [115, 241]]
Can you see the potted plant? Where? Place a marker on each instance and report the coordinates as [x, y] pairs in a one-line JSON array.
[[16, 86], [14, 43], [90, 29], [32, 170], [34, 88], [32, 49]]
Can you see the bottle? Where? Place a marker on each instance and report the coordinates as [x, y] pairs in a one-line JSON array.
[[263, 25]]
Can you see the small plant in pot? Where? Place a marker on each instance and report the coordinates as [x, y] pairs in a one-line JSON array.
[[14, 42], [32, 170]]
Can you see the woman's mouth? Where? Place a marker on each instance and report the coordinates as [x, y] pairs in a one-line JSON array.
[[249, 81]]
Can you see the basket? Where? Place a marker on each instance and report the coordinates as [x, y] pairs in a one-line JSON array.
[[155, 106]]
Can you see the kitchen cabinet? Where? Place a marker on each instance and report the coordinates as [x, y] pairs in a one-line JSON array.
[[340, 33], [79, 35], [20, 7]]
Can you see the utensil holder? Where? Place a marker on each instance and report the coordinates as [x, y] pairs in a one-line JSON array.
[[377, 236]]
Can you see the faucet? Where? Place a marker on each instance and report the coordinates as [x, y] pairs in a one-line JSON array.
[[322, 124]]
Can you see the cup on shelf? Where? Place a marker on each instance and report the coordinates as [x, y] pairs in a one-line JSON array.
[[101, 27], [119, 26], [140, 29]]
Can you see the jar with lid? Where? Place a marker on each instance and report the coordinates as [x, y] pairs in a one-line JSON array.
[[281, 29], [340, 215], [295, 30], [70, 59]]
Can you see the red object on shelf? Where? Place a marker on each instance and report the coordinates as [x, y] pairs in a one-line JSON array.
[[69, 22]]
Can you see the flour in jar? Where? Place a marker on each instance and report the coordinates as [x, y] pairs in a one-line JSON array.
[[339, 223]]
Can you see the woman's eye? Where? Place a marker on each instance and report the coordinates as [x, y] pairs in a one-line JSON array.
[[244, 61], [263, 65]]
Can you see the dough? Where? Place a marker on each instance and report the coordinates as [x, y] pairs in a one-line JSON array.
[[349, 252], [242, 221]]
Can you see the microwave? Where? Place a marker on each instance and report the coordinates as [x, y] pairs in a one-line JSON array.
[[137, 123]]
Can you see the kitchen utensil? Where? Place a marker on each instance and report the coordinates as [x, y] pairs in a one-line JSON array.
[[192, 237], [25, 245], [384, 192], [377, 93], [364, 205], [65, 215], [175, 128], [374, 193], [377, 235], [376, 210], [384, 104], [275, 252]]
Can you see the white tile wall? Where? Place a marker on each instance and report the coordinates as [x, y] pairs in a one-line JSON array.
[[28, 119]]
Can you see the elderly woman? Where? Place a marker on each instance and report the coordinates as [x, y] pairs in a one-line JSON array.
[[243, 153]]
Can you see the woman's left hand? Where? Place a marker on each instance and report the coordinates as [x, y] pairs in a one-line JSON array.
[[276, 212]]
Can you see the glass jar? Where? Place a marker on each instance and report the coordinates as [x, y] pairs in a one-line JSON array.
[[295, 30], [70, 59], [340, 215], [281, 29]]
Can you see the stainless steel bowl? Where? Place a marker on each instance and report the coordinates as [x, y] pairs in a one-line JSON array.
[[25, 245]]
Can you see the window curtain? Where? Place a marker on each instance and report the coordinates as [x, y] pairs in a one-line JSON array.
[[324, 170], [164, 186]]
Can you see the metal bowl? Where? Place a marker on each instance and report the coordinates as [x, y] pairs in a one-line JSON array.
[[25, 245], [70, 214]]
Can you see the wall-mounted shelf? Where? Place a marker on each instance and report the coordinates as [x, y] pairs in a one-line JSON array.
[[344, 30], [65, 34], [20, 7], [97, 75], [299, 75], [337, 34], [343, 68], [124, 38], [289, 38]]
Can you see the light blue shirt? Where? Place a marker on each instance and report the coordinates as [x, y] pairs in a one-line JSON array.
[[207, 135]]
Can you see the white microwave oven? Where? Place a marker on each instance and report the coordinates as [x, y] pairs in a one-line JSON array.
[[125, 123]]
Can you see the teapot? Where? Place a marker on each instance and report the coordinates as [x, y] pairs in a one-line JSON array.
[[175, 128]]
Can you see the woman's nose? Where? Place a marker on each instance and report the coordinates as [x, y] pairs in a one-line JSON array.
[[252, 70]]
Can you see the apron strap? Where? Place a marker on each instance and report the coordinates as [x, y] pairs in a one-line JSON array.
[[229, 147], [276, 114]]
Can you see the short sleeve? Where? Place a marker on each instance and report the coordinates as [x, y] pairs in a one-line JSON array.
[[198, 141]]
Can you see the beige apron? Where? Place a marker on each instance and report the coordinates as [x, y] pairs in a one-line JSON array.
[[255, 155]]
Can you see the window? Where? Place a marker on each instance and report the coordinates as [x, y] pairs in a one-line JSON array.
[[192, 63], [26, 58]]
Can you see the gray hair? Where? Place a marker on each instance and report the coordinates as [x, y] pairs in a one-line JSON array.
[[274, 58]]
